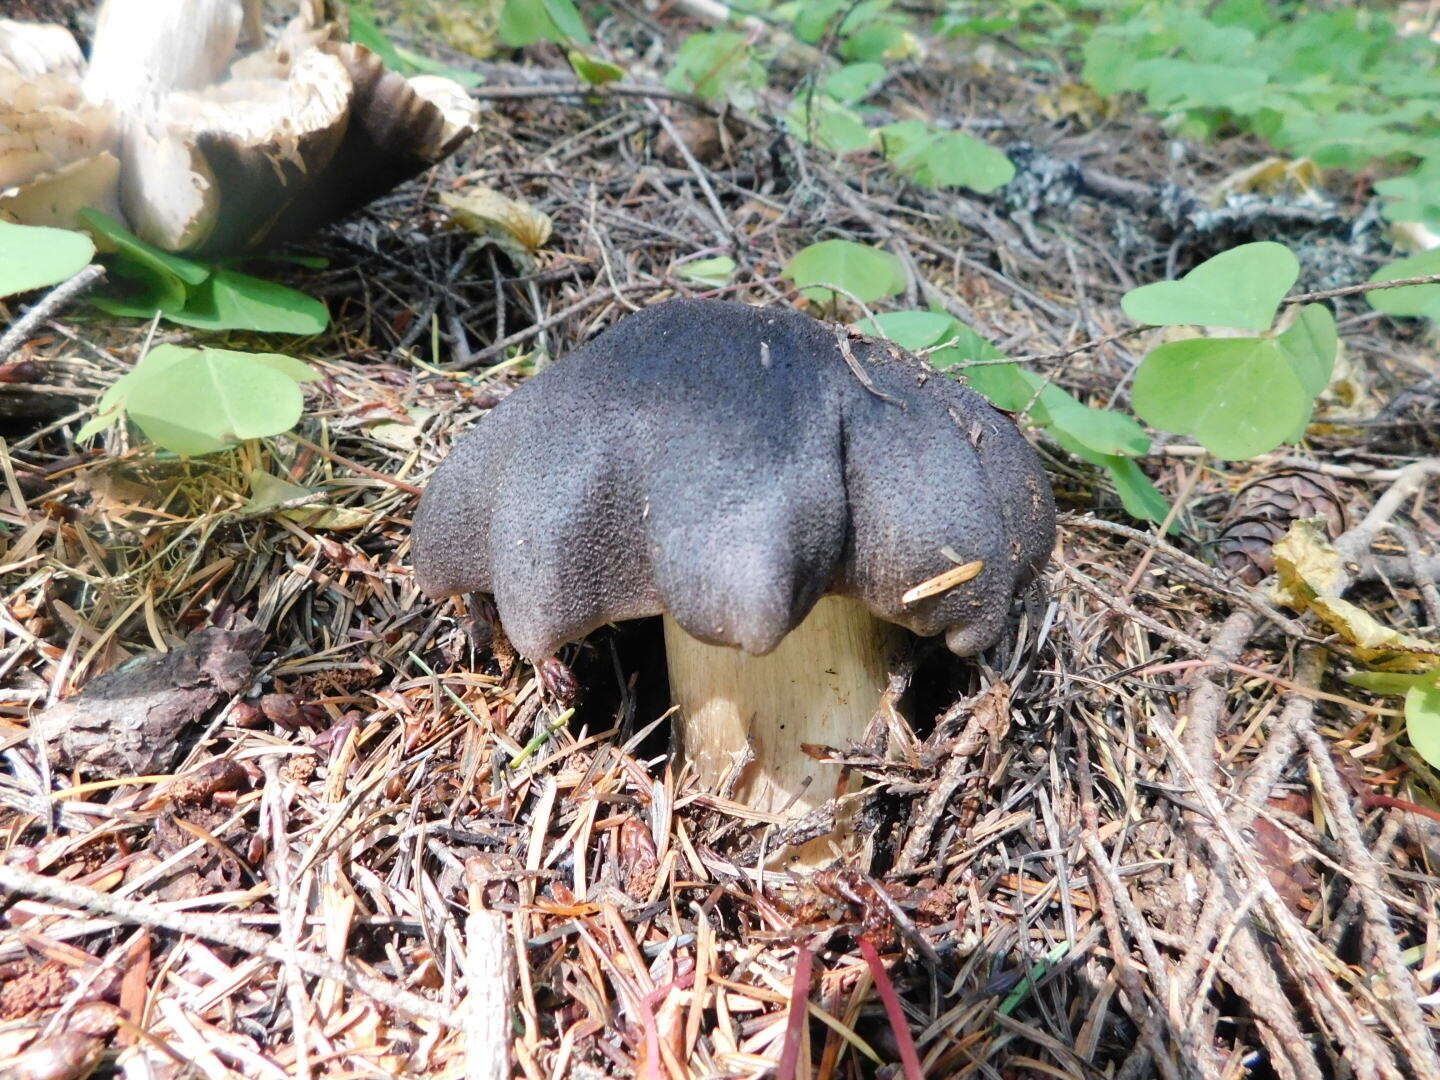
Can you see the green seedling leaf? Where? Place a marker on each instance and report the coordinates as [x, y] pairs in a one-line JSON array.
[[1412, 300], [866, 273], [593, 70], [565, 15], [32, 257], [939, 159], [1138, 495], [1239, 288], [715, 64], [145, 290], [365, 31], [1238, 396], [854, 82], [1004, 385], [230, 300], [829, 124], [1102, 431], [1422, 718], [912, 330], [196, 401], [1387, 683], [211, 400], [131, 246], [524, 22], [311, 262], [1309, 344], [714, 272]]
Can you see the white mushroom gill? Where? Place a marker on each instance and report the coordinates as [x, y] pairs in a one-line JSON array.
[[204, 151]]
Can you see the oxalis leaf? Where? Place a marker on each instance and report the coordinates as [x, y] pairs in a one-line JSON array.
[[230, 300], [1239, 396], [866, 273], [716, 271], [1422, 718], [133, 248], [1415, 300], [939, 158], [834, 126], [32, 257], [198, 401], [912, 330], [1239, 288]]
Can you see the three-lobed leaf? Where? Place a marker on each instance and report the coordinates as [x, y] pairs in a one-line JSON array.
[[194, 294], [524, 22], [939, 159], [912, 330], [1411, 300], [198, 401], [819, 119], [1239, 288], [715, 271], [1422, 718], [595, 70], [1239, 396], [230, 300], [33, 257], [865, 273]]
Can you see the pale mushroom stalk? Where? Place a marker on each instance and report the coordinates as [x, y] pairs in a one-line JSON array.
[[787, 496], [744, 722]]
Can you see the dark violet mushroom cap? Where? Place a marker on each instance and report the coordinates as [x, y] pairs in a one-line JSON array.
[[728, 465]]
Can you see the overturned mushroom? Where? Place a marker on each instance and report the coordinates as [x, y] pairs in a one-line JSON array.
[[781, 490], [202, 151]]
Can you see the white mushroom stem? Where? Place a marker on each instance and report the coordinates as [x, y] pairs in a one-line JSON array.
[[144, 50], [821, 686]]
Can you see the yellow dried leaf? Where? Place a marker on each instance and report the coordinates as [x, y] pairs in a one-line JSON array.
[[1310, 573], [1307, 565], [1371, 641], [1077, 100], [1268, 175], [486, 212]]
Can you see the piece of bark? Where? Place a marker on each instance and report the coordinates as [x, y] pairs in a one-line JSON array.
[[133, 721]]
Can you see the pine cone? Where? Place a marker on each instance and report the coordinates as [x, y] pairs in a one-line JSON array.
[[1262, 513]]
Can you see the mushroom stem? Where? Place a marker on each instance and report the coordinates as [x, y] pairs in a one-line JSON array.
[[821, 685]]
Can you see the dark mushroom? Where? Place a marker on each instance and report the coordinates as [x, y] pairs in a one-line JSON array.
[[780, 489]]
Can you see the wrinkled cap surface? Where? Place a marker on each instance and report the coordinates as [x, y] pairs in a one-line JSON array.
[[728, 465]]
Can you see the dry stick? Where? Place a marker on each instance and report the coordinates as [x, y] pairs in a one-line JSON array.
[[1208, 701], [288, 907], [592, 300], [1429, 594], [1148, 1019], [1131, 612], [488, 984], [52, 302], [1252, 598], [1411, 479], [1363, 287], [1409, 1023], [1260, 986], [220, 931], [1317, 982], [724, 230]]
